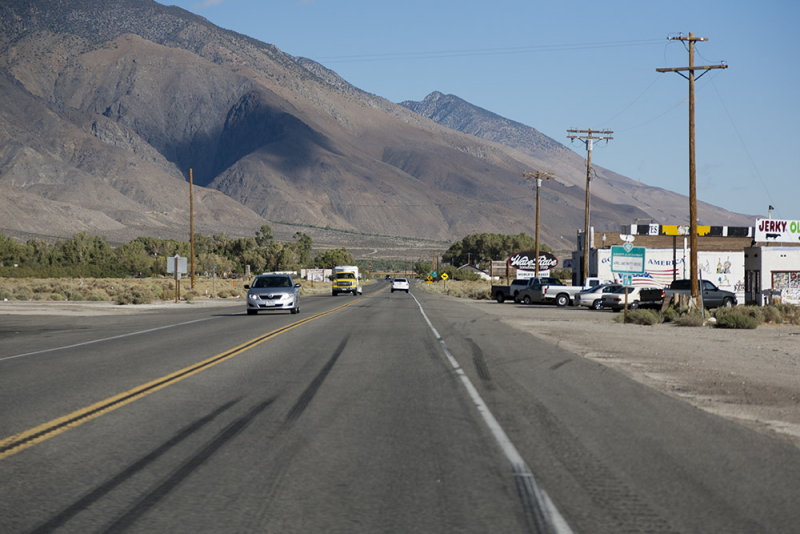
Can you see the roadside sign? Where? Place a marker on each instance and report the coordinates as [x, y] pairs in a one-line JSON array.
[[182, 266], [627, 280], [627, 259], [444, 276]]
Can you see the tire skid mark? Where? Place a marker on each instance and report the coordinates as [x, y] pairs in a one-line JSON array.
[[106, 487], [305, 398], [479, 361], [187, 468], [30, 437]]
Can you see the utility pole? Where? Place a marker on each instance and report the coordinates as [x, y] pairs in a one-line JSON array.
[[588, 137], [538, 176], [696, 296], [191, 222]]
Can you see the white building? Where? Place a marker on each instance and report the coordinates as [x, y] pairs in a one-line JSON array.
[[772, 271], [725, 269]]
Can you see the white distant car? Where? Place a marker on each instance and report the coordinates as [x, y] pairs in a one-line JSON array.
[[400, 284]]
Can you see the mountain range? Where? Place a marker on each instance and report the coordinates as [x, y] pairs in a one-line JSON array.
[[108, 107]]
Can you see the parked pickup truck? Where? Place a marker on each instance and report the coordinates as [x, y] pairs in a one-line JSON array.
[[548, 290], [712, 296], [504, 293], [515, 290]]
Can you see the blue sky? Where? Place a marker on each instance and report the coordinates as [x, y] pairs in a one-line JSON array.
[[558, 65]]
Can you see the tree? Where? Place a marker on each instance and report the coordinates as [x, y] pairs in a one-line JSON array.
[[482, 248], [264, 236], [303, 245], [330, 258]]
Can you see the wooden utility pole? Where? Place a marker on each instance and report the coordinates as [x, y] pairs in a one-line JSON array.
[[191, 222], [588, 137], [696, 295], [538, 176]]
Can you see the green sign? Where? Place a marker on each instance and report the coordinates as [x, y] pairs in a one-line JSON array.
[[627, 259]]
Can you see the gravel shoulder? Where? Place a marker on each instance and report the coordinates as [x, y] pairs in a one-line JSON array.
[[748, 376]]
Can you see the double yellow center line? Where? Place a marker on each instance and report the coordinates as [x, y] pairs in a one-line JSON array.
[[28, 438]]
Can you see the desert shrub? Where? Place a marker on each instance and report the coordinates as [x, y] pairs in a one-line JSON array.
[[739, 317], [97, 296], [70, 294], [756, 312], [189, 296], [23, 293], [642, 316], [222, 294], [134, 295], [773, 314], [5, 293], [690, 318], [57, 296], [791, 313], [157, 290]]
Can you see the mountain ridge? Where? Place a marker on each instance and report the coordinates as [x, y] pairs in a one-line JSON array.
[[140, 93]]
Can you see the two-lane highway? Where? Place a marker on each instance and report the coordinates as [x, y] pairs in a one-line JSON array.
[[389, 412]]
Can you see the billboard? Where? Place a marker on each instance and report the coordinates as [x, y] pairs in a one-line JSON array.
[[777, 231], [526, 261]]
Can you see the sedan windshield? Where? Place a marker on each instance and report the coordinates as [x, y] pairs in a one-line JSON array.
[[273, 281]]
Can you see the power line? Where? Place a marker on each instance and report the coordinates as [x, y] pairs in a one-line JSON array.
[[440, 54]]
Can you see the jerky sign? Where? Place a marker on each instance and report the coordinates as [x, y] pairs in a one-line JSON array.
[[526, 261]]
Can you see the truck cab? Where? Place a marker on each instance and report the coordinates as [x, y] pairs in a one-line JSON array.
[[346, 279]]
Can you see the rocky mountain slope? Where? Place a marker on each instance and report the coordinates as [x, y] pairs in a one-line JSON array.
[[108, 104]]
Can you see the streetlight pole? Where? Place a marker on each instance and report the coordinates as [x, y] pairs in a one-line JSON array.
[[538, 176]]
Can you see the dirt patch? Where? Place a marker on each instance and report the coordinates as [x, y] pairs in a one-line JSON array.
[[749, 376]]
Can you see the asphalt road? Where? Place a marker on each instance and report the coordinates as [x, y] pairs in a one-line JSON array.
[[380, 413]]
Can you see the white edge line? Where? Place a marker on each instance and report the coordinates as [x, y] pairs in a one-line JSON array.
[[518, 465], [102, 339]]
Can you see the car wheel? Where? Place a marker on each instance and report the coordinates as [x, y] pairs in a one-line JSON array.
[[562, 300], [406, 290], [597, 304], [526, 300], [355, 293], [634, 305], [727, 303], [295, 310], [500, 298], [333, 293], [251, 312]]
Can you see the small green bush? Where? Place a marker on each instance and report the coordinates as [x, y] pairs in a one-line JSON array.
[[57, 296], [134, 296], [642, 316], [773, 314], [690, 318], [739, 317], [23, 293]]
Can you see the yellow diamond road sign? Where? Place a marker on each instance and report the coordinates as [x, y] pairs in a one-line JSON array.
[[444, 276]]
